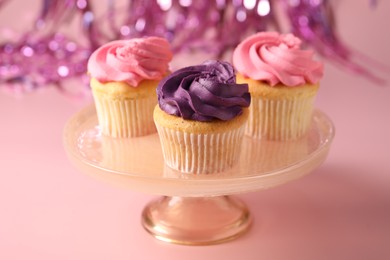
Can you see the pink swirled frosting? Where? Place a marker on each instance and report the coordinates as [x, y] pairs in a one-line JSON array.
[[131, 61], [276, 58]]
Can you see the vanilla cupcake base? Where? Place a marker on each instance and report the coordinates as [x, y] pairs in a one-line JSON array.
[[124, 110], [207, 147], [279, 113], [127, 117], [279, 119], [201, 153]]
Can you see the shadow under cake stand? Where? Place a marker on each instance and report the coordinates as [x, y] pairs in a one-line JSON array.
[[193, 209]]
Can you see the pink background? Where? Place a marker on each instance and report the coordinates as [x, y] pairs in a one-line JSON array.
[[50, 210]]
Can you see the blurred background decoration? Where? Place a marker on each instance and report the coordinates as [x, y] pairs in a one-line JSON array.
[[43, 56]]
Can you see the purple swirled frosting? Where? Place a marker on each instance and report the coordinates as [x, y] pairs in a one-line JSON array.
[[203, 93]]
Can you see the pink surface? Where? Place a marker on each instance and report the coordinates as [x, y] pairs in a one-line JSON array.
[[50, 210]]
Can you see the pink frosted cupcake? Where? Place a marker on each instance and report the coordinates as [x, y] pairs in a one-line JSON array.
[[283, 81], [124, 76]]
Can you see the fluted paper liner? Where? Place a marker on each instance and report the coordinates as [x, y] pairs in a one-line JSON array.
[[280, 120], [125, 117], [199, 153]]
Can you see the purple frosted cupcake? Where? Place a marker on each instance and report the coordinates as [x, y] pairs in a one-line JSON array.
[[201, 117]]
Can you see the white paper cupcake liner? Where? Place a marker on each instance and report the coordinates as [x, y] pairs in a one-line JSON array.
[[279, 120], [200, 153], [125, 117]]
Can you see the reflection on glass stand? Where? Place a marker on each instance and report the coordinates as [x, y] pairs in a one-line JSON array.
[[193, 210]]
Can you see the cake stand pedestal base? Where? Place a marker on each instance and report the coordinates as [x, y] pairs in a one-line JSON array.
[[196, 220]]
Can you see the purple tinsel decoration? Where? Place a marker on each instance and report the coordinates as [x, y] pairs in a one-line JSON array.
[[314, 23], [44, 57]]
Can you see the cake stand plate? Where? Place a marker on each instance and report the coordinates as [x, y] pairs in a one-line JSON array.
[[194, 209]]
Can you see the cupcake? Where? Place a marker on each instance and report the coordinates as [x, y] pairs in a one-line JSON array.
[[124, 76], [200, 118], [283, 81]]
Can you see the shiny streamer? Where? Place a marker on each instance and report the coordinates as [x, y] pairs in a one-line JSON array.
[[45, 57], [313, 21]]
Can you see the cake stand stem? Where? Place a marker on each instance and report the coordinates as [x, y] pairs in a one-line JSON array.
[[196, 220]]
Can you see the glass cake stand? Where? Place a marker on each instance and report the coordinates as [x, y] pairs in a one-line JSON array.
[[193, 209]]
